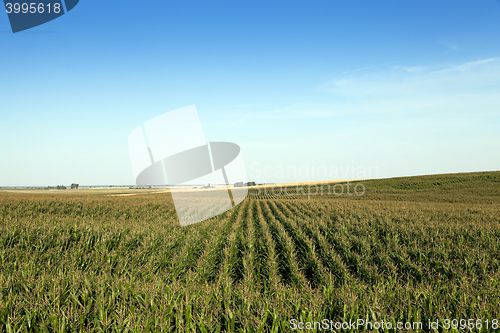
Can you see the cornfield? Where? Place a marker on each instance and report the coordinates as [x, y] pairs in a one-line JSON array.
[[414, 249]]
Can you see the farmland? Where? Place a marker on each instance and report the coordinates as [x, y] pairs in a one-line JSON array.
[[410, 249]]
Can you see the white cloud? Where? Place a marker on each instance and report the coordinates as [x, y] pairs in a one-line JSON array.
[[451, 46], [421, 84], [398, 90], [404, 120], [411, 69], [470, 65]]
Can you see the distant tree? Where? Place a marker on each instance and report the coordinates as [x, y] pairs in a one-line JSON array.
[[60, 187], [74, 186]]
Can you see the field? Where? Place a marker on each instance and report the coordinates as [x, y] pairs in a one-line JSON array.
[[409, 250]]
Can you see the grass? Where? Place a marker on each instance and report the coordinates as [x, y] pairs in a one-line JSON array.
[[409, 250]]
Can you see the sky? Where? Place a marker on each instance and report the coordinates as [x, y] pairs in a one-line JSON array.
[[310, 90]]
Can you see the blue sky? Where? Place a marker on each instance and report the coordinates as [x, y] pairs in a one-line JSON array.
[[362, 89]]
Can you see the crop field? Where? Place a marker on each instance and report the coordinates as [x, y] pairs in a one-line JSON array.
[[409, 250]]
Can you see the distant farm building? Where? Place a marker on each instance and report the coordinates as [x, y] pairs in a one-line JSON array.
[[242, 184]]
